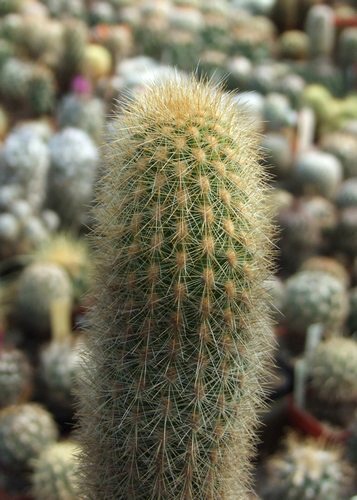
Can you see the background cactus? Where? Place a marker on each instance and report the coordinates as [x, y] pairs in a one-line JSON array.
[[346, 231], [39, 286], [320, 27], [344, 147], [315, 297], [25, 430], [182, 196], [74, 157], [347, 194], [352, 318], [307, 470], [54, 472], [333, 379], [15, 377], [317, 173]]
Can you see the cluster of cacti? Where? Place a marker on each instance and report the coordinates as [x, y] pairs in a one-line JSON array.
[[54, 474], [308, 470], [333, 380], [25, 431], [15, 377], [183, 308], [174, 370]]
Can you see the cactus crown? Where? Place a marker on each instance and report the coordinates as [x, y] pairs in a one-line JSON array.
[[181, 333]]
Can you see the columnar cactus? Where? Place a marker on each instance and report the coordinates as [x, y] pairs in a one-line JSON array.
[[180, 329], [74, 42], [25, 430], [307, 470], [333, 373], [54, 472], [320, 27]]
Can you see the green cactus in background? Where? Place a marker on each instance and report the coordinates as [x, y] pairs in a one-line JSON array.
[[74, 42], [15, 76], [344, 146], [320, 27], [180, 327], [346, 231], [54, 472], [327, 265], [9, 6], [333, 379], [352, 441], [352, 318], [40, 284], [294, 44], [307, 469], [41, 91], [15, 376], [347, 194], [25, 431], [59, 368], [315, 297]]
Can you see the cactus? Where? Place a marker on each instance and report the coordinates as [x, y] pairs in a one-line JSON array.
[[327, 265], [346, 231], [278, 153], [333, 380], [8, 6], [174, 361], [320, 27], [347, 50], [63, 8], [41, 91], [344, 146], [97, 61], [300, 235], [276, 291], [84, 112], [72, 255], [74, 158], [352, 441], [277, 111], [26, 160], [54, 472], [307, 469], [25, 430], [347, 194], [15, 76], [15, 377], [74, 41], [39, 286], [294, 44], [59, 368], [292, 86], [315, 297], [317, 173], [352, 318], [324, 214]]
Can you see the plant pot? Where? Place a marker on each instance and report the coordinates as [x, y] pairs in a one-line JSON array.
[[306, 423]]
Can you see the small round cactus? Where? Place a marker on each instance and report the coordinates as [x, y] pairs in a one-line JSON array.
[[315, 297], [97, 61], [320, 27], [344, 147], [15, 75], [327, 265], [277, 152], [15, 377], [294, 44], [347, 194], [26, 160], [72, 255], [41, 91], [74, 158], [54, 472], [83, 112], [74, 42], [307, 469], [59, 367], [25, 431], [352, 317], [39, 286], [317, 173], [346, 231], [277, 111], [333, 380]]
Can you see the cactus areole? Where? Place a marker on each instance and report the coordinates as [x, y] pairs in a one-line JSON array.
[[180, 335]]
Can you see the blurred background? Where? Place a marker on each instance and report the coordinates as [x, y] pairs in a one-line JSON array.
[[66, 66]]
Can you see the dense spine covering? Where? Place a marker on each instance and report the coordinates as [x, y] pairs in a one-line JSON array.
[[180, 331]]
